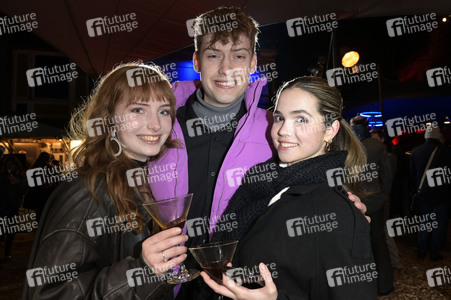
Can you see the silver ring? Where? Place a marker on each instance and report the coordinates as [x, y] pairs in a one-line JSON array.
[[165, 259]]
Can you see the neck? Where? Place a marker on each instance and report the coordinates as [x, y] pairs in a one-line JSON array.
[[214, 114]]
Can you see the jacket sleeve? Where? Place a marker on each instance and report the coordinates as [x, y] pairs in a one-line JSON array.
[[72, 272]]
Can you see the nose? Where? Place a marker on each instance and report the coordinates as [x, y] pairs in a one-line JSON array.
[[224, 66], [285, 129], [154, 122]]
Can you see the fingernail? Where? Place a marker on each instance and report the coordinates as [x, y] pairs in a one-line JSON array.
[[263, 266]]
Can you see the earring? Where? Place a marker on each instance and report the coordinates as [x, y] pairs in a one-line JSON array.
[[327, 146], [113, 138]]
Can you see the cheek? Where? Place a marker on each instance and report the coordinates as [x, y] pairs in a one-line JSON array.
[[166, 125], [274, 135]]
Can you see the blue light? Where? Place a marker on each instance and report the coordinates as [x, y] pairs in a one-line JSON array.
[[371, 114], [186, 71]]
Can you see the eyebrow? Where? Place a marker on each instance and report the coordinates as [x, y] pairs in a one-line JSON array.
[[295, 112], [146, 104], [137, 103], [241, 49], [233, 50]]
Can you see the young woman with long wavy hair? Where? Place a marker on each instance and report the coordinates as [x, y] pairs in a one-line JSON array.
[[94, 227]]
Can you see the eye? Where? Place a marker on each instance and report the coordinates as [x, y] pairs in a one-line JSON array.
[[278, 118], [302, 120], [165, 112], [137, 110]]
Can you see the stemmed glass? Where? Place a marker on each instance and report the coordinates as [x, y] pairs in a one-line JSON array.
[[169, 213], [213, 257]]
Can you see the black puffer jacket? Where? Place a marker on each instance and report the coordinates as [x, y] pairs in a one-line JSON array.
[[99, 259]]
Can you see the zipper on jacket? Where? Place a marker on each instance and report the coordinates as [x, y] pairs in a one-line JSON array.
[[233, 144]]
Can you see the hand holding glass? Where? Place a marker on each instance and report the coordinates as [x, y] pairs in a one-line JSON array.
[[169, 213]]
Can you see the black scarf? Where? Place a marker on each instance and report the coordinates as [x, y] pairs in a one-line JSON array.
[[252, 199]]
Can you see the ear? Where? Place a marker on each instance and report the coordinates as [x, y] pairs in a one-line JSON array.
[[196, 62], [254, 63], [332, 130]]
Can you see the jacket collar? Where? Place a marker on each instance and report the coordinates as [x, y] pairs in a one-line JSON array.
[[184, 89]]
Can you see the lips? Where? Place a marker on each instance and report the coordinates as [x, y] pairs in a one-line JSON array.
[[225, 84], [152, 139], [287, 145]]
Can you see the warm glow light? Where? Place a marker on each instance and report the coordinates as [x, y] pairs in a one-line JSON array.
[[350, 59], [444, 19], [75, 143]]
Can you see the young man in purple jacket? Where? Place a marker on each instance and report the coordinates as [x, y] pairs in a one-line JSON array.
[[222, 130]]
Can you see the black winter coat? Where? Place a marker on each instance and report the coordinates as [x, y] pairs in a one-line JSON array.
[[310, 258], [436, 193]]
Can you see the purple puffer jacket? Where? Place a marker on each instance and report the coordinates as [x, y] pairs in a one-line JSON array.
[[251, 145]]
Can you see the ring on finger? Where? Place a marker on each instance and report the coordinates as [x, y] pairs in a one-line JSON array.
[[165, 259]]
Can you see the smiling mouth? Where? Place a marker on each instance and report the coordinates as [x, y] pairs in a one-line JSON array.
[[288, 145], [149, 138], [227, 84]]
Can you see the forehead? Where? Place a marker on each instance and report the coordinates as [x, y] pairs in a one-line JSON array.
[[242, 42], [295, 99]]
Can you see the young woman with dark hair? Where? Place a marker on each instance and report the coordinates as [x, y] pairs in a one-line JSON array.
[[301, 223]]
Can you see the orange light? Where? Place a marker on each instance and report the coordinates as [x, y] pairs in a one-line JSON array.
[[444, 19], [350, 59]]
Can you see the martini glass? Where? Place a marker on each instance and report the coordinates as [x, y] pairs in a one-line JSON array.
[[169, 213], [213, 257]]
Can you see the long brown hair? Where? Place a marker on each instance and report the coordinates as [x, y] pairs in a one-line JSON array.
[[96, 155], [330, 105]]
